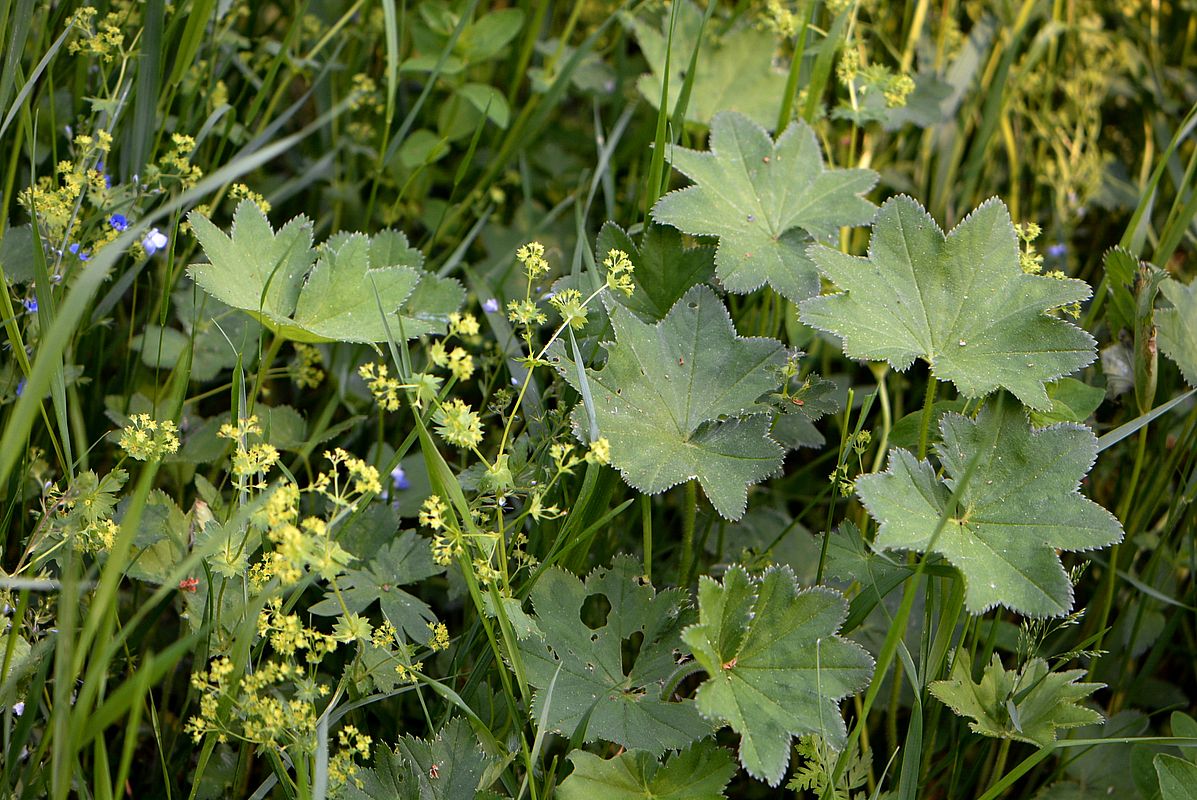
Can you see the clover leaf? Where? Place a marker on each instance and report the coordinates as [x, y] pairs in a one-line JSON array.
[[698, 773], [1019, 507], [1177, 327], [734, 73], [776, 667], [585, 666], [764, 200], [331, 294], [678, 400], [961, 302], [1027, 705]]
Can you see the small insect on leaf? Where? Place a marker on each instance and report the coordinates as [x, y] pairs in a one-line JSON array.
[[434, 772]]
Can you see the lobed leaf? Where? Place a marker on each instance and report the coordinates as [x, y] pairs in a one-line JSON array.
[[765, 200], [776, 668], [1019, 507], [961, 302], [678, 401]]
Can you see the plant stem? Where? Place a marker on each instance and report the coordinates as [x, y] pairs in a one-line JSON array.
[[689, 515], [928, 412]]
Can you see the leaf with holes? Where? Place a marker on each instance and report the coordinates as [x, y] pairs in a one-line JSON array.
[[1019, 507], [765, 200], [406, 560], [1177, 327], [776, 668], [1030, 704], [678, 401], [331, 294], [961, 302], [623, 701], [698, 773]]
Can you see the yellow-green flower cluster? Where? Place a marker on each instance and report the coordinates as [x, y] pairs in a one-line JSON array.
[[440, 636], [305, 369], [457, 361], [250, 463], [147, 439], [458, 424], [447, 541], [343, 766], [381, 384], [570, 306], [257, 708], [361, 478], [532, 257], [239, 191], [103, 40], [619, 272]]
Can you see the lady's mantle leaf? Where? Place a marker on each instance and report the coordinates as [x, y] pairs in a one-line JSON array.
[[677, 401], [623, 707], [735, 72], [271, 276], [448, 767], [777, 668], [699, 773], [406, 560], [1028, 705], [764, 200], [1019, 507], [665, 269], [961, 302], [1178, 327]]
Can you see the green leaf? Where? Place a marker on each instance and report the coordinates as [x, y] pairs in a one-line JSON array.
[[665, 269], [405, 560], [254, 268], [1072, 401], [734, 73], [16, 254], [1020, 506], [448, 767], [624, 705], [1177, 327], [961, 302], [678, 401], [698, 773], [272, 277], [776, 667], [764, 200], [1027, 705], [1178, 778]]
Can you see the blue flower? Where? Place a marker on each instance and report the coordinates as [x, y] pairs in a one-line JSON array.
[[83, 254], [490, 306], [1057, 250], [20, 386], [31, 305], [154, 241], [118, 222], [399, 478]]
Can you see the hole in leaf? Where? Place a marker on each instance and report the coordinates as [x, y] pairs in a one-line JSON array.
[[630, 651], [595, 610]]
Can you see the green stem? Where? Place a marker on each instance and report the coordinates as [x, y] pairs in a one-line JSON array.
[[646, 520], [689, 515], [928, 413]]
